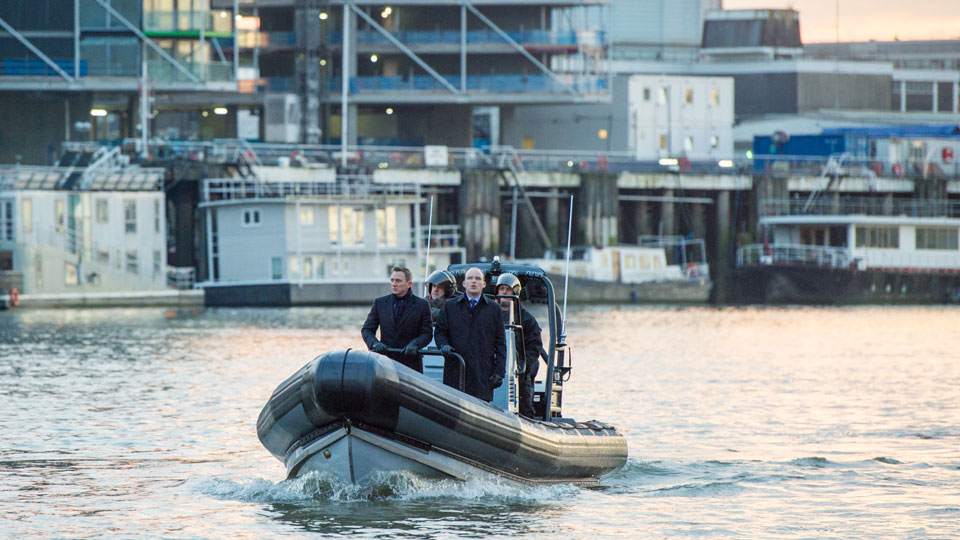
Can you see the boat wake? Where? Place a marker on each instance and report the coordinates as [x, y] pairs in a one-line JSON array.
[[392, 486]]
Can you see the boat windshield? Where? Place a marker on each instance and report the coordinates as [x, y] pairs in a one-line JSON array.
[[560, 254]]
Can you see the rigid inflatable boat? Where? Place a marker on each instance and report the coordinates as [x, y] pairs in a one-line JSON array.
[[355, 413]]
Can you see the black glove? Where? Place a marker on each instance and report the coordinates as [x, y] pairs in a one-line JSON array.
[[495, 381], [446, 350], [379, 347], [411, 349]]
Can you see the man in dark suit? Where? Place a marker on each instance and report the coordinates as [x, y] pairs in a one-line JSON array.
[[403, 319], [471, 326]]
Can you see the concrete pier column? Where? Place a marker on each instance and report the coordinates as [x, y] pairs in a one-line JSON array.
[[597, 209], [722, 263], [698, 217], [552, 218], [643, 219], [667, 215], [480, 211]]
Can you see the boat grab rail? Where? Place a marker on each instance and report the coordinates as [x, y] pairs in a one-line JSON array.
[[436, 351]]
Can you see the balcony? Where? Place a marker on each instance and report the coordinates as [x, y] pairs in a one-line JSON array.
[[862, 206], [511, 83], [164, 72], [427, 38]]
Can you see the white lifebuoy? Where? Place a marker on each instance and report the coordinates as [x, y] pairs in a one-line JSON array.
[[692, 271]]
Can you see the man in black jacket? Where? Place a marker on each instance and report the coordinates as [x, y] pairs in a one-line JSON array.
[[528, 348], [403, 319], [471, 326]]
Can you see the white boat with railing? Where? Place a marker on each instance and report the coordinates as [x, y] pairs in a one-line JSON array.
[[854, 250], [657, 269]]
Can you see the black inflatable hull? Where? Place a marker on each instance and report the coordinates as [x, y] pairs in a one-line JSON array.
[[354, 413]]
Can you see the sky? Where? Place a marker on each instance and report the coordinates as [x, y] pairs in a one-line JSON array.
[[863, 20]]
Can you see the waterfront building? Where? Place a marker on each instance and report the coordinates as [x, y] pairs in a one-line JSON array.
[[93, 230], [651, 117], [421, 72], [85, 70]]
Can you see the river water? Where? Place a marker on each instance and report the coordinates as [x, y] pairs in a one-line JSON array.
[[741, 423]]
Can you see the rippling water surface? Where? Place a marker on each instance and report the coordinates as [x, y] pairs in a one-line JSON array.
[[741, 423]]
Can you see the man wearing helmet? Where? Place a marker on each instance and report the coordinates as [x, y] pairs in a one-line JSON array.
[[440, 286], [403, 319], [470, 325], [528, 348]]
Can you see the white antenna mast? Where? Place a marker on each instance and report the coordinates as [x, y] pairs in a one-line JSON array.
[[426, 264], [566, 276]]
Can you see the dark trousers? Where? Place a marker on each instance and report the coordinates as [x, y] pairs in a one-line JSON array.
[[526, 397]]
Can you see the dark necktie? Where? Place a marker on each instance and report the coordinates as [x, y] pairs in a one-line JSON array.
[[397, 310], [473, 303]]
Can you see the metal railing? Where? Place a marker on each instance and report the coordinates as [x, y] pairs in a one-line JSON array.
[[181, 278], [782, 165], [794, 255], [441, 236], [414, 157], [475, 83], [866, 206], [476, 37], [217, 189]]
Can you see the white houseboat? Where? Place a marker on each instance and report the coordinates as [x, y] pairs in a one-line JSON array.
[[859, 250], [81, 236], [316, 239], [658, 269]]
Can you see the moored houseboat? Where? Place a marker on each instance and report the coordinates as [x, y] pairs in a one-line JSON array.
[[315, 240]]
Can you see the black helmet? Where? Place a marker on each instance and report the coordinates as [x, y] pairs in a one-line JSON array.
[[511, 281], [442, 278]]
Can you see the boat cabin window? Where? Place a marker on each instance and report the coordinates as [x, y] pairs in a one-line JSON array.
[[936, 238], [878, 237], [251, 218], [576, 254]]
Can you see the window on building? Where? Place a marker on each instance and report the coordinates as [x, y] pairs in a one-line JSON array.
[[70, 275], [714, 141], [59, 215], [387, 226], [663, 142], [276, 268], [351, 225], [157, 266], [662, 95], [132, 263], [103, 257], [938, 238], [646, 94], [688, 95], [251, 217], [878, 237], [306, 216], [130, 216], [103, 211], [714, 96], [688, 143], [6, 221], [156, 217], [26, 209]]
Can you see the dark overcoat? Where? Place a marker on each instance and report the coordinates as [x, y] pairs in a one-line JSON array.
[[478, 336], [529, 350], [414, 326]]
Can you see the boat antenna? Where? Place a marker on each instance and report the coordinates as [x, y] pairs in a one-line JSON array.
[[566, 277], [426, 264]]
